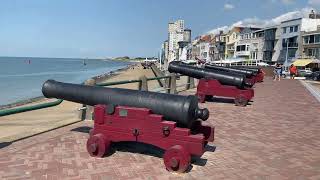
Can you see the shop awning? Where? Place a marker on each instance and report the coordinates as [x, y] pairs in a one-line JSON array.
[[302, 62]]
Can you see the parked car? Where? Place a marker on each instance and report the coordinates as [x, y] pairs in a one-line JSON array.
[[304, 72], [314, 76], [284, 74]]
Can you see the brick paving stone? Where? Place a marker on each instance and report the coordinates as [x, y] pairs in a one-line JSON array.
[[276, 137]]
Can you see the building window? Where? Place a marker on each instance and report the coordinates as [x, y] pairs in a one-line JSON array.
[[205, 54], [247, 47], [246, 36], [241, 48], [284, 30], [311, 40], [306, 40], [317, 38], [291, 29], [241, 37], [295, 28], [254, 55]]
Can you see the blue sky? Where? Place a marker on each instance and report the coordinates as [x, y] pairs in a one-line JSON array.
[[107, 28]]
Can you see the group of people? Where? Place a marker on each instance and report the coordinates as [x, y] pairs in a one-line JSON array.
[[278, 71]]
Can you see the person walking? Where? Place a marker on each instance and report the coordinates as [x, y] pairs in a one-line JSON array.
[[293, 71], [277, 72]]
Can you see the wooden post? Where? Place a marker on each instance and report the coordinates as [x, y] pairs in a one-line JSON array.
[[87, 111], [167, 83], [143, 84], [190, 83], [173, 84]]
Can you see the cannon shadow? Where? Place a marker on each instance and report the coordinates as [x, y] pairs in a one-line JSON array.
[[223, 100], [5, 144], [146, 149]]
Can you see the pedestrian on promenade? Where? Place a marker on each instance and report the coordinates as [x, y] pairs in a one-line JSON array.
[[293, 71], [277, 72]]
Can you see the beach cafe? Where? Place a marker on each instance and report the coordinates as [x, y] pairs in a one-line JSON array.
[[307, 63]]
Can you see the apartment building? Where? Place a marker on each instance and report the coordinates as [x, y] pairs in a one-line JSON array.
[[249, 45], [269, 43], [311, 44], [204, 45], [291, 37], [231, 38], [175, 35], [217, 46]]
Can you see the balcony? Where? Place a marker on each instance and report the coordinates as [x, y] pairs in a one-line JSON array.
[[242, 53], [290, 45], [230, 48]]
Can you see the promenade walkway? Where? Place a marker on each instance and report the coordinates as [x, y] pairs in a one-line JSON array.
[[276, 137]]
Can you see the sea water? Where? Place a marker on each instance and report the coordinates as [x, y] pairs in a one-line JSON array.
[[22, 77]]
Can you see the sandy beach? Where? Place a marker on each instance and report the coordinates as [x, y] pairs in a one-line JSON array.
[[29, 123]]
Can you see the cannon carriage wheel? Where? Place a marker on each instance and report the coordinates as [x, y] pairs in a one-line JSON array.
[[241, 101], [177, 159], [98, 145]]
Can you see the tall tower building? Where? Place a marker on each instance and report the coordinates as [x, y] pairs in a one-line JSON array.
[[175, 35]]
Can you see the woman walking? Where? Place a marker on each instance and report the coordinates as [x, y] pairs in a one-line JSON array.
[[277, 72]]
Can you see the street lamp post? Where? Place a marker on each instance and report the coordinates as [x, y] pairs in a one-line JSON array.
[[285, 67]]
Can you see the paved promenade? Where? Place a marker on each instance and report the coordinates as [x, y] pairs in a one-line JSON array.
[[276, 137]]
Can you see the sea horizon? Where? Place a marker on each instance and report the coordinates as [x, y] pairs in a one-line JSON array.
[[22, 77]]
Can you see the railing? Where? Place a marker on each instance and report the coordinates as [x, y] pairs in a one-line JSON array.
[[170, 88], [290, 45]]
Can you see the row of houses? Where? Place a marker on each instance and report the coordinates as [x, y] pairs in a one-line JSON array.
[[281, 43]]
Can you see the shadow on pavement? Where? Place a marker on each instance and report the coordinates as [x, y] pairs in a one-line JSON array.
[[5, 144], [223, 100], [82, 129]]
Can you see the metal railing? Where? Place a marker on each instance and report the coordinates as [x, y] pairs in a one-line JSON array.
[[6, 112]]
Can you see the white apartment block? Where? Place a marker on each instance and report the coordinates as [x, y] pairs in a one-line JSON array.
[[175, 35], [250, 45], [290, 38], [204, 51]]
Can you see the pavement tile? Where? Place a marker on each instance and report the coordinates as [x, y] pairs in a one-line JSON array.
[[276, 137]]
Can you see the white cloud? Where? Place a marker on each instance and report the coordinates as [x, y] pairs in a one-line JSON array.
[[287, 2], [217, 30], [228, 6], [256, 22], [314, 2]]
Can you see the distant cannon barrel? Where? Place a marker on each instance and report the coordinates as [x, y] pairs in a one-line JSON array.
[[256, 70], [247, 73], [182, 109], [225, 78]]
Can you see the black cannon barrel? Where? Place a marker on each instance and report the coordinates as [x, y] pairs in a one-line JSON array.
[[255, 70], [225, 78], [247, 73], [182, 109]]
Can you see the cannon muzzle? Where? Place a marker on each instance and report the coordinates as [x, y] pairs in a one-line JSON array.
[[182, 109]]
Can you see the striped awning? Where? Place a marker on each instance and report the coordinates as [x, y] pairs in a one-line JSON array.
[[302, 62]]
